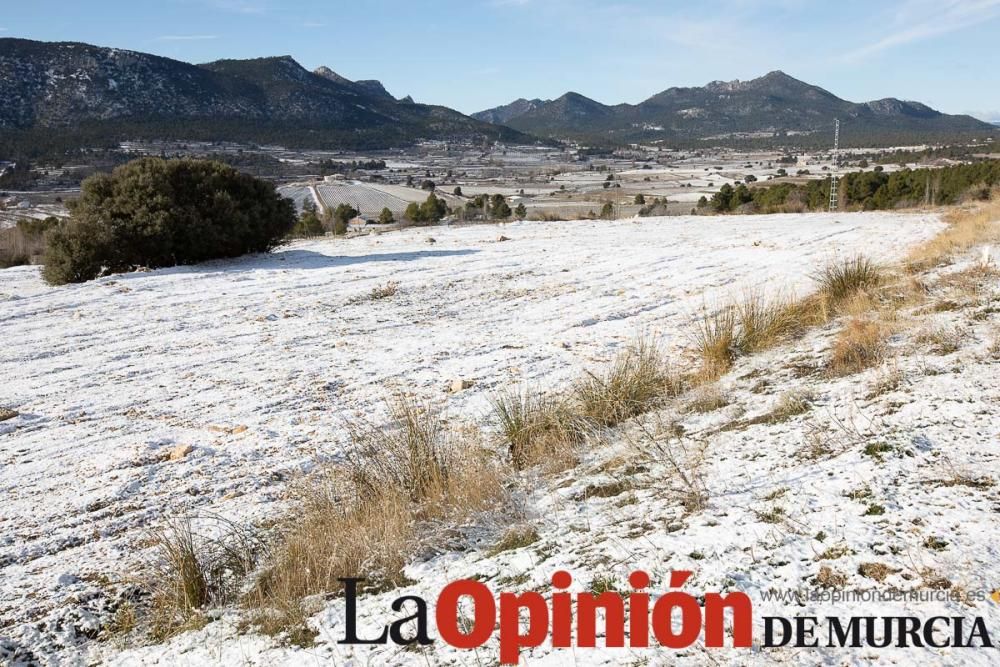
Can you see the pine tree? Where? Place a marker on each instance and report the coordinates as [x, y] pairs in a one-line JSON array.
[[499, 208]]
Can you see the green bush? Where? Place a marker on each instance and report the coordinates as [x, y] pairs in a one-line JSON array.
[[432, 210], [308, 225], [154, 213], [342, 215]]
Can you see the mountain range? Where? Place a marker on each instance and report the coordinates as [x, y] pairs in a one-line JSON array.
[[85, 92], [772, 104], [57, 95]]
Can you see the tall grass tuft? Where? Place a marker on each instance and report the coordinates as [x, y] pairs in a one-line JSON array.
[[716, 341], [536, 428], [637, 380], [860, 344], [197, 571], [841, 280], [404, 485]]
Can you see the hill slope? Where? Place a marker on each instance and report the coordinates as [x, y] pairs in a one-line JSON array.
[[772, 104], [82, 92]]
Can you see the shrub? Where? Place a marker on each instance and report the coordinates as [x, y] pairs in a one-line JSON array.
[[153, 212], [26, 240], [308, 225], [386, 217]]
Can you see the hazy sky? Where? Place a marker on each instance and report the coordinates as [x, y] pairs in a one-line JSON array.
[[475, 54]]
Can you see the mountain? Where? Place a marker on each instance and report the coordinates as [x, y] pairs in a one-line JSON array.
[[502, 114], [78, 93], [774, 104], [368, 86]]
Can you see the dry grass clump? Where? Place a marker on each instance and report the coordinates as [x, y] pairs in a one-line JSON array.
[[384, 291], [707, 398], [860, 344], [517, 537], [890, 378], [753, 324], [377, 293], [841, 280], [967, 228], [941, 340], [332, 535], [791, 404], [369, 518], [715, 340], [660, 440], [536, 428], [994, 349], [196, 572], [764, 323], [638, 379]]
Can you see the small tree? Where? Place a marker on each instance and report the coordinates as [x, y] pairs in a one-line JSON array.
[[458, 191], [433, 209], [520, 212], [343, 214], [412, 212], [386, 217], [608, 211], [428, 184], [499, 208], [308, 224], [640, 200]]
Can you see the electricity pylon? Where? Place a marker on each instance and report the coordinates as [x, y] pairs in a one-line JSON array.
[[834, 179]]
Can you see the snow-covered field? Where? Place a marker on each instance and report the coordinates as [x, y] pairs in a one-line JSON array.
[[257, 362]]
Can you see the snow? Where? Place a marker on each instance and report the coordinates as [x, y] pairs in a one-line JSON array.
[[109, 375]]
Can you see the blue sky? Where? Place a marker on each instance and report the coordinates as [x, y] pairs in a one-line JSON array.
[[475, 54]]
